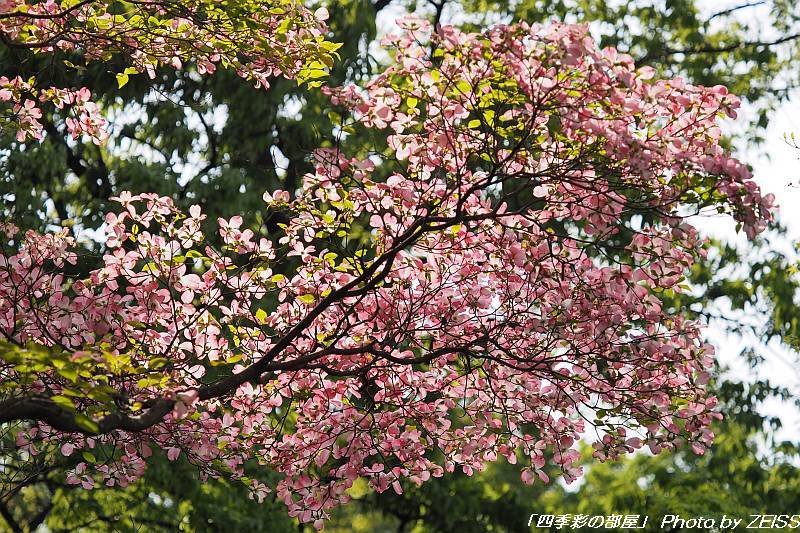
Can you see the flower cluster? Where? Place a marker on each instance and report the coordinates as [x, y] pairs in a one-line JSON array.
[[258, 40], [84, 117], [488, 286]]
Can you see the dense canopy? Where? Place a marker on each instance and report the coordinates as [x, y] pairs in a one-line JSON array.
[[484, 274]]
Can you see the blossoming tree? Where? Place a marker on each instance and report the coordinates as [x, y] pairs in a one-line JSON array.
[[256, 39], [486, 282]]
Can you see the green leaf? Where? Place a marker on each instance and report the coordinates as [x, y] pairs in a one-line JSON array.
[[464, 87], [69, 373], [554, 125], [88, 424], [122, 79], [157, 362], [89, 457], [63, 401], [307, 298]]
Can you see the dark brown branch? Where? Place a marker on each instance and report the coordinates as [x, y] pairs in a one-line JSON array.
[[40, 517], [439, 7], [667, 51], [381, 4], [56, 138], [93, 175], [9, 518], [253, 372], [734, 9], [45, 410]]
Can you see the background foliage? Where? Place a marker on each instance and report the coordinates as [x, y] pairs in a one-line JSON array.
[[219, 142]]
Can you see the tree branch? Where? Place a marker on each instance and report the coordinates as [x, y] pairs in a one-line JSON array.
[[45, 410], [667, 51], [734, 9], [9, 518], [380, 4]]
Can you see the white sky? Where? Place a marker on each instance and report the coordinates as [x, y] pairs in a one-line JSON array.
[[776, 167]]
